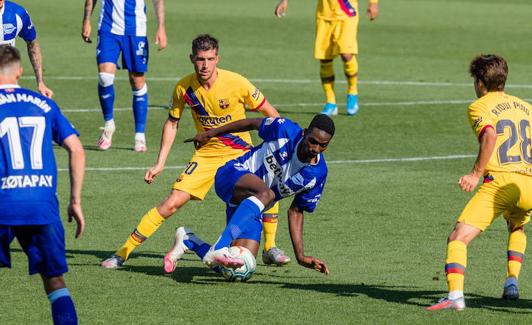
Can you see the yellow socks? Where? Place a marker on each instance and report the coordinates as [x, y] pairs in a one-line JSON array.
[[516, 252], [269, 229], [455, 266], [351, 73], [149, 223], [327, 80]]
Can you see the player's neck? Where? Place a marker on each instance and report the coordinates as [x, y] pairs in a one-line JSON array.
[[4, 80]]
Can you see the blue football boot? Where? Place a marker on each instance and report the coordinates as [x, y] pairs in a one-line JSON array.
[[352, 104], [330, 109]]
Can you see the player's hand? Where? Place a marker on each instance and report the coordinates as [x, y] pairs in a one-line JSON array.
[[152, 173], [314, 263], [280, 9], [160, 38], [75, 213], [373, 11], [86, 31], [199, 140], [468, 182], [45, 91]]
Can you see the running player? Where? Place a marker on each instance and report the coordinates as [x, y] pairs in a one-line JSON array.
[[336, 33], [122, 30], [29, 211], [215, 97], [502, 124]]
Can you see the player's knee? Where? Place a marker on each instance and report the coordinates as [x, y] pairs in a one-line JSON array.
[[53, 283], [106, 79], [346, 57], [143, 90], [266, 197]]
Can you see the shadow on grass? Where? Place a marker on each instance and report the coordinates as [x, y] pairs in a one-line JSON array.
[[96, 148]]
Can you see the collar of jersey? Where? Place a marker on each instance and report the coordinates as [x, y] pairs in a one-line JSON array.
[[9, 86]]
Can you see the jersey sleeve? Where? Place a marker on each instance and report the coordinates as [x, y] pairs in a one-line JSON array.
[[61, 127], [177, 104], [479, 118], [253, 97], [28, 32], [308, 200]]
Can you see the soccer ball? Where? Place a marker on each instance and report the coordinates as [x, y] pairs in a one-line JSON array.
[[244, 272]]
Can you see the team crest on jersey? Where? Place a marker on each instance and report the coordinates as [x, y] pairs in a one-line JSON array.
[[256, 94], [224, 103], [9, 28]]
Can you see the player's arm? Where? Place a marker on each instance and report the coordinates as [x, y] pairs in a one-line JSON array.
[[167, 139], [280, 9], [373, 9], [86, 27], [487, 141], [160, 35], [77, 172], [295, 225], [268, 110], [35, 56], [247, 124]]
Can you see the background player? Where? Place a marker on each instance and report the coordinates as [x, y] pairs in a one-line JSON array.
[[216, 97], [288, 163], [16, 22], [336, 33], [499, 121], [122, 30], [29, 209]]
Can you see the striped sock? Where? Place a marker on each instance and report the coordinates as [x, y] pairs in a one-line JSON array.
[[455, 267], [140, 108], [516, 253], [149, 223], [327, 80], [351, 74], [269, 230], [63, 310]]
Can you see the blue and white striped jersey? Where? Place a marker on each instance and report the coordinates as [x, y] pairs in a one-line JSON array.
[[276, 162], [29, 124], [15, 21], [123, 17]]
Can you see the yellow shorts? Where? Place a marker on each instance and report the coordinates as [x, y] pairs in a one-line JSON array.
[[335, 37], [198, 177], [509, 194]]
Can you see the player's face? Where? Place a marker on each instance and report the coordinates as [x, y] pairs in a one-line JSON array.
[[205, 64], [314, 142]]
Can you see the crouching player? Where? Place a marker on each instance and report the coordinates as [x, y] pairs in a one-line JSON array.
[[29, 209], [288, 163], [502, 124]]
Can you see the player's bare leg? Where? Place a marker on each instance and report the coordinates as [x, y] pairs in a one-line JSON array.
[[139, 88], [106, 94]]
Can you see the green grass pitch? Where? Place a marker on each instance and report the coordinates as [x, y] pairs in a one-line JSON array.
[[383, 220]]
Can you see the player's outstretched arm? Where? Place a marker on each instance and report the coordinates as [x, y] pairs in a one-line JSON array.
[[486, 146], [86, 27], [35, 55], [247, 124], [268, 110], [160, 35], [77, 173], [295, 225], [167, 139], [280, 9], [373, 10]]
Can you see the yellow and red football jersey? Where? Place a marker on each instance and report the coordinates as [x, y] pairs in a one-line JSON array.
[[510, 117], [224, 102], [338, 9]]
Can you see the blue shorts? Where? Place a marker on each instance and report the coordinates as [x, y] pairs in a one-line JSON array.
[[134, 51], [224, 183], [43, 244]]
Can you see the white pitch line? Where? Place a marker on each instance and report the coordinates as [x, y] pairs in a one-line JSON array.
[[308, 81], [364, 161]]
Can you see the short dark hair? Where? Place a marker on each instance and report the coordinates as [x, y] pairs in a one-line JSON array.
[[322, 122], [491, 69], [204, 42], [8, 55]]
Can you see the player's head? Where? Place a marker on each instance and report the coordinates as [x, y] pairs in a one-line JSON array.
[[1, 4], [490, 72], [204, 56], [10, 69], [316, 137]]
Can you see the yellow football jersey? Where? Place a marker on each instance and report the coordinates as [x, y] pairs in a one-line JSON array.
[[338, 9], [224, 102], [510, 117]]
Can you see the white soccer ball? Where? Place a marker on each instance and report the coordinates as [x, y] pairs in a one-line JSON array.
[[244, 272]]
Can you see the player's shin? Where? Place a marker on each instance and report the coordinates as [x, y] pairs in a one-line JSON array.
[[455, 266], [269, 229], [327, 80], [149, 223], [140, 108], [63, 310], [106, 94], [249, 209], [516, 252], [351, 74]]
